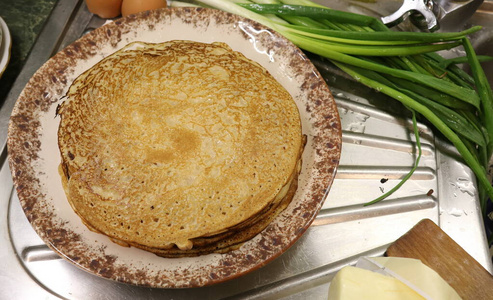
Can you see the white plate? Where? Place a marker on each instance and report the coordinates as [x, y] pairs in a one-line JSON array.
[[5, 45], [34, 156]]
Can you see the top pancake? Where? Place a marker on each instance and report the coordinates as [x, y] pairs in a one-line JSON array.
[[163, 143]]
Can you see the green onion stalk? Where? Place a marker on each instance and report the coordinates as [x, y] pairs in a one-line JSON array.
[[402, 65]]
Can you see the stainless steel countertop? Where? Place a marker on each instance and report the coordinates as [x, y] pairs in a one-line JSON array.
[[376, 144]]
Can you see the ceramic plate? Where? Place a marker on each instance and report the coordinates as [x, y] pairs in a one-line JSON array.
[[5, 44], [34, 156]]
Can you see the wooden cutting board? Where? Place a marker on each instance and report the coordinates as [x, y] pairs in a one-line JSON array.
[[427, 242]]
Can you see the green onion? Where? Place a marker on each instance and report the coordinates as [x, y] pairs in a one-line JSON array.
[[467, 95], [316, 12], [469, 157], [364, 37], [357, 48], [484, 89], [463, 59], [411, 172]]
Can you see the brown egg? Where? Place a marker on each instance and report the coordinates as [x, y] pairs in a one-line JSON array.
[[135, 6], [105, 8]]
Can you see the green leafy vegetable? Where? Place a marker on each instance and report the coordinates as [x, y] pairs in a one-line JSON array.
[[411, 172]]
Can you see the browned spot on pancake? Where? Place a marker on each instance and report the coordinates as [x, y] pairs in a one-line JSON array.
[[159, 156], [185, 141]]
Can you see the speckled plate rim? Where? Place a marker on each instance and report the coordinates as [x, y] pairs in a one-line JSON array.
[[34, 156], [5, 46]]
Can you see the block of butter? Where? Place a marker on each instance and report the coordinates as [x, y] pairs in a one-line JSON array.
[[388, 278]]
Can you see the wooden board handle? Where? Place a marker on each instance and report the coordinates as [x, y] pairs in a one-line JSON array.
[[430, 244]]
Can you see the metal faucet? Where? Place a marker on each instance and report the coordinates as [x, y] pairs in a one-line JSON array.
[[431, 15]]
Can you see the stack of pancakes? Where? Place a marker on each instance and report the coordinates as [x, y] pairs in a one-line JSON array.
[[180, 148]]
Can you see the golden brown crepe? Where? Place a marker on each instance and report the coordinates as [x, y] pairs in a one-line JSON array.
[[180, 148]]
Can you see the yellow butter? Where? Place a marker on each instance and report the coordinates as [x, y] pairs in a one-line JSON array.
[[384, 278], [356, 283], [419, 276]]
